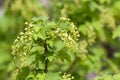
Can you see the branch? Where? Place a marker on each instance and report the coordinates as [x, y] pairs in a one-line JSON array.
[[46, 61], [46, 66]]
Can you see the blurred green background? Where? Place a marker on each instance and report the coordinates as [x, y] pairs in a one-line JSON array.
[[98, 23]]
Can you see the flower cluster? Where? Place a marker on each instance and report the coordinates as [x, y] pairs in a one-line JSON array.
[[24, 8], [107, 18], [70, 38], [74, 32], [91, 35], [21, 45], [67, 77]]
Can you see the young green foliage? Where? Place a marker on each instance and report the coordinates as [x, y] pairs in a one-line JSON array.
[[41, 43]]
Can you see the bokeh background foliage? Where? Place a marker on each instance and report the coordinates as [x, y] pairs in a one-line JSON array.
[[97, 22]]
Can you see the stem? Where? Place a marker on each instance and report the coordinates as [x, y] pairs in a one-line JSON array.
[[46, 66], [112, 65], [46, 60]]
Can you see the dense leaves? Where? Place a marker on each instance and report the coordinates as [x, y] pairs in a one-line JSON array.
[[33, 47], [79, 40]]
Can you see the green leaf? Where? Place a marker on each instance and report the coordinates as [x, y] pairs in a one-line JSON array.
[[99, 30], [41, 65], [93, 6], [52, 76], [40, 49], [50, 43], [41, 18], [50, 58], [23, 74], [59, 45], [64, 56], [41, 76], [116, 32], [36, 28], [82, 29], [31, 59], [31, 77], [42, 33]]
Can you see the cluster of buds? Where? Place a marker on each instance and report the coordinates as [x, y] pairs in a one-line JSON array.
[[67, 39], [75, 33], [91, 35], [14, 74], [69, 36], [22, 44], [51, 34], [107, 18], [64, 19], [82, 49], [67, 76]]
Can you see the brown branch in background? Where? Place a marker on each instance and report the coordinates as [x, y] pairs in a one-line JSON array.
[[110, 50]]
